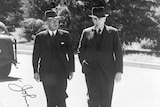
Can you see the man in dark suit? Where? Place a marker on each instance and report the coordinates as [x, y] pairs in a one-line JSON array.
[[100, 55], [53, 60]]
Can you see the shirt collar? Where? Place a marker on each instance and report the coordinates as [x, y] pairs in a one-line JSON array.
[[101, 28], [52, 32]]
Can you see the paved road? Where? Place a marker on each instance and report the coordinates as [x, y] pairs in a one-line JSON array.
[[140, 87]]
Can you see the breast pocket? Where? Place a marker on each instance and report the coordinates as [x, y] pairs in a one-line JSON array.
[[63, 46]]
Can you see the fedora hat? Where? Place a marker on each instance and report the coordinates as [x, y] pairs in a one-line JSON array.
[[98, 12], [51, 14]]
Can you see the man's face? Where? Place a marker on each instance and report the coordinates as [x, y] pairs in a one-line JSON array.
[[99, 22], [53, 23]]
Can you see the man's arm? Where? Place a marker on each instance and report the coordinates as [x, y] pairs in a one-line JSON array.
[[118, 57], [35, 58], [118, 53], [71, 54], [36, 55], [81, 48]]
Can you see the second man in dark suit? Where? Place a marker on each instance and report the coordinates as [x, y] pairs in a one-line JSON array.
[[100, 55]]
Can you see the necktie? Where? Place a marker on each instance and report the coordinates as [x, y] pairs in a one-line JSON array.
[[99, 31], [52, 34]]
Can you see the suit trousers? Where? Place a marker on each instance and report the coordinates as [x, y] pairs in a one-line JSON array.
[[56, 93], [100, 88]]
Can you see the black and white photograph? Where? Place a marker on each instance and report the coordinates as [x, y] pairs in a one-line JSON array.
[[80, 53]]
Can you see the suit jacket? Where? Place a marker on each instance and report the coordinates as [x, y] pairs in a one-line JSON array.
[[109, 54], [43, 56]]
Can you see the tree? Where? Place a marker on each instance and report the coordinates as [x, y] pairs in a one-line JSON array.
[[11, 12], [133, 18], [36, 8]]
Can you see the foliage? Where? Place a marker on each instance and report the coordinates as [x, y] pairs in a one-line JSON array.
[[32, 26], [37, 8], [11, 12], [65, 13], [148, 44], [154, 34], [133, 18], [33, 9]]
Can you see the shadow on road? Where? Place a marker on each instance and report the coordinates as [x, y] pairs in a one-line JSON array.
[[6, 79]]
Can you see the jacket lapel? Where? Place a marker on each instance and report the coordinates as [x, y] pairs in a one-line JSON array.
[[91, 36], [61, 51], [57, 37], [49, 41], [104, 34], [94, 40]]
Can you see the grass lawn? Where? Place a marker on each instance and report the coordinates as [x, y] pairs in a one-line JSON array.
[[23, 44]]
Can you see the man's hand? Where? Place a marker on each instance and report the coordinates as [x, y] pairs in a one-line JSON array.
[[85, 62], [70, 76], [118, 76], [37, 76]]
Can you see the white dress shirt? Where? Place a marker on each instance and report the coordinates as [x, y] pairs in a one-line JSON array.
[[52, 32]]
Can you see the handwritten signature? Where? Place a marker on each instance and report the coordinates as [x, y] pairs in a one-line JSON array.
[[17, 88]]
